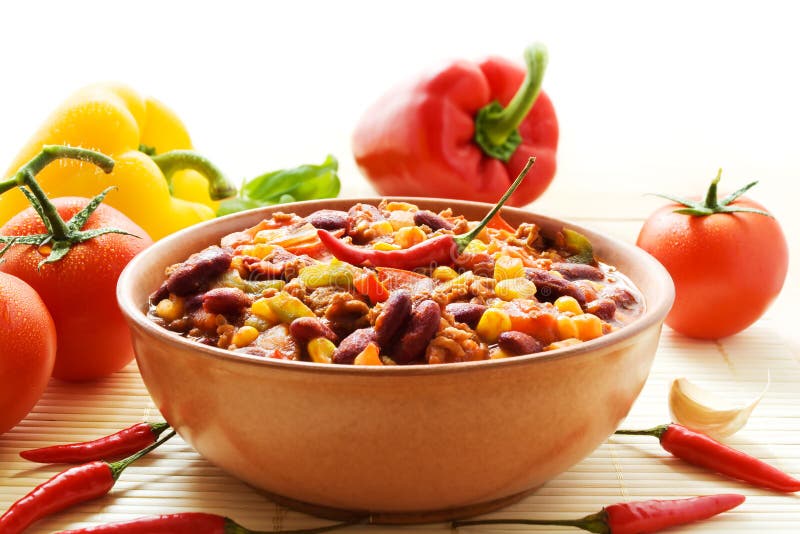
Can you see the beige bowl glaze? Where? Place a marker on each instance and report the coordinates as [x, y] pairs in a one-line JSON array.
[[405, 443]]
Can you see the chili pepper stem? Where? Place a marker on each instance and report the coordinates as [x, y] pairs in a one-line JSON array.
[[463, 240], [496, 127], [232, 527], [597, 523], [177, 160], [656, 431], [119, 466]]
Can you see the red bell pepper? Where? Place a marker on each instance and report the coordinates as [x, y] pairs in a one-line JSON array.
[[462, 132]]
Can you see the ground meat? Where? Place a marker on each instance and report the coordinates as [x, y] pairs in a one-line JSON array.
[[278, 264], [480, 263], [468, 287], [346, 313], [455, 343], [359, 223]]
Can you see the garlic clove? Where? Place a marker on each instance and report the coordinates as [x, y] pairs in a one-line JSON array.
[[703, 411]]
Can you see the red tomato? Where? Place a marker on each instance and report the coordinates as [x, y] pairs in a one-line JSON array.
[[27, 349], [727, 267], [79, 290]]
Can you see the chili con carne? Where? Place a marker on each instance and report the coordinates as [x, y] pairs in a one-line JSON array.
[[439, 250], [112, 447], [75, 485], [189, 523], [704, 451], [639, 517]]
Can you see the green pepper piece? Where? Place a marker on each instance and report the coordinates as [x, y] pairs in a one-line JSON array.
[[336, 273], [580, 246]]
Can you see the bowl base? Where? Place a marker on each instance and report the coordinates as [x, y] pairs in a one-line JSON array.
[[396, 518]]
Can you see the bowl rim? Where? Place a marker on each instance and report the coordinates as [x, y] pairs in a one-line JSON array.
[[655, 312]]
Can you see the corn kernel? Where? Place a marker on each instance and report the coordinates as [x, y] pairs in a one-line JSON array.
[[383, 245], [321, 350], [475, 246], [589, 326], [444, 273], [493, 322], [400, 206], [409, 236], [506, 267], [498, 354], [244, 336], [515, 288], [169, 309], [369, 356], [566, 327], [262, 309], [382, 227], [567, 304], [259, 250]]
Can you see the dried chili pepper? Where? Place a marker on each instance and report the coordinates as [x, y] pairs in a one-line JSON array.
[[635, 517], [699, 449], [439, 250], [190, 523], [112, 447], [75, 485]]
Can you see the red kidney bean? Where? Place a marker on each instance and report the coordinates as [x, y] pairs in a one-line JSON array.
[[328, 219], [431, 220], [517, 343], [466, 312], [226, 300], [623, 298], [603, 308], [422, 326], [549, 286], [352, 345], [396, 311], [578, 271], [196, 272], [304, 329]]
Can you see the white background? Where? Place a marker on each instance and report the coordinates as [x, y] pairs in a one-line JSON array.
[[647, 95], [650, 98]]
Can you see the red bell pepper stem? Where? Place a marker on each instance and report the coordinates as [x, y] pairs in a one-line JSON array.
[[639, 517], [189, 523], [439, 250], [112, 447], [496, 127], [701, 450], [75, 485]]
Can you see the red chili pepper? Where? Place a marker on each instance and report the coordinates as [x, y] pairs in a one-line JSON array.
[[448, 134], [639, 517], [440, 250], [189, 523], [112, 447], [75, 485], [699, 449]]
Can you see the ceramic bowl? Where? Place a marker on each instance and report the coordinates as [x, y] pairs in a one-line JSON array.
[[404, 443]]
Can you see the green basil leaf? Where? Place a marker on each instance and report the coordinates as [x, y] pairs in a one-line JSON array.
[[306, 182]]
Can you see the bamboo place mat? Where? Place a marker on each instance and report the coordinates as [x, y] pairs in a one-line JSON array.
[[176, 479]]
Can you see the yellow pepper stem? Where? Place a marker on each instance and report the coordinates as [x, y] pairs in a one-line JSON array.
[[178, 160]]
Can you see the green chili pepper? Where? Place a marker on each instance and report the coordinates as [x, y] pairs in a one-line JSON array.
[[288, 308]]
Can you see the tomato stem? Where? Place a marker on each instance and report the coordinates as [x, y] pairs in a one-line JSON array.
[[711, 204], [60, 235]]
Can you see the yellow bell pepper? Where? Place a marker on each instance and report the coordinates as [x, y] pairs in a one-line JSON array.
[[162, 185]]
